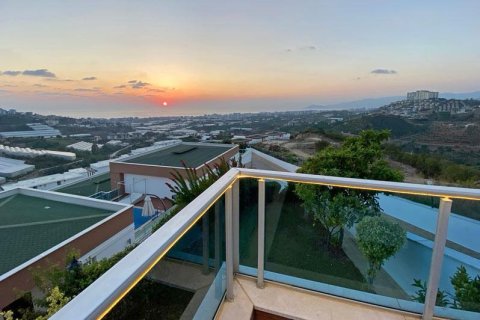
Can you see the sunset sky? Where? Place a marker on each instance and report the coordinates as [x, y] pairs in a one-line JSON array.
[[124, 58]]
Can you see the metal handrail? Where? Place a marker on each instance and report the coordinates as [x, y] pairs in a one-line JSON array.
[[102, 295], [364, 184]]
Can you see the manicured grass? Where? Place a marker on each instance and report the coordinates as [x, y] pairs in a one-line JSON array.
[[298, 250], [152, 300]]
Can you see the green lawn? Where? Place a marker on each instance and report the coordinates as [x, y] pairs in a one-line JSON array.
[[298, 250], [296, 247]]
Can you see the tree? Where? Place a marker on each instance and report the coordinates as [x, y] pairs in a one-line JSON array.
[[467, 290], [187, 188], [335, 208], [379, 239], [320, 145], [56, 300], [95, 148], [420, 294]]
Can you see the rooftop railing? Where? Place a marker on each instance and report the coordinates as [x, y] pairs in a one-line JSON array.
[[188, 238]]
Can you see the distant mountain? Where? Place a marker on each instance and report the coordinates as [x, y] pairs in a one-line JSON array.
[[316, 107], [364, 103], [466, 95], [371, 103]]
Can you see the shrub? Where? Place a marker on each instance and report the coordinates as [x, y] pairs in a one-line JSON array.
[[379, 239], [467, 290]]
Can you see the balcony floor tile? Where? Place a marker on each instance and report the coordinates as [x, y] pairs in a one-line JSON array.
[[294, 303]]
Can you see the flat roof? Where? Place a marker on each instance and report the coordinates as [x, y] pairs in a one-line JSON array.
[[88, 186], [11, 166], [31, 225], [194, 155]]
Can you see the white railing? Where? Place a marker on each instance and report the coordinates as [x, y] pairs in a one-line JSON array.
[[102, 295]]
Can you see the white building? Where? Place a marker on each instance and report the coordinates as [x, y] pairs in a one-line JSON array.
[[422, 95], [38, 130], [10, 168], [48, 182], [83, 146], [278, 136], [31, 153]]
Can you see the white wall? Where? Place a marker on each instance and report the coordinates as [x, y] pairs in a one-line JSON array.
[[264, 161], [111, 246], [413, 261], [144, 184]]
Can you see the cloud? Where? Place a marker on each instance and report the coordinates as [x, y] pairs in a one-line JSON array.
[[56, 94], [59, 80], [89, 78], [11, 73], [303, 48], [139, 84], [87, 90], [132, 81], [35, 73], [120, 87], [308, 48], [383, 71], [39, 73], [156, 90], [38, 85]]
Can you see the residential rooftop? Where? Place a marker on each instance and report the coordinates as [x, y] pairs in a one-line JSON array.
[[88, 187], [11, 167], [194, 155], [30, 225]]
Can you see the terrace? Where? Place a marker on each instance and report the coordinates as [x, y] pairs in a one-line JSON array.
[[31, 225], [89, 186], [244, 249], [194, 155], [37, 228], [148, 173]]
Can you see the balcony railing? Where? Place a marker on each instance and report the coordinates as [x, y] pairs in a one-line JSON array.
[[100, 298]]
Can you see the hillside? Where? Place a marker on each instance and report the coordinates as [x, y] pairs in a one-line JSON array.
[[398, 126]]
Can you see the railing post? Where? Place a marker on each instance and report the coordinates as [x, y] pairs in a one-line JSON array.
[[229, 241], [236, 225], [437, 257], [205, 243], [217, 237], [261, 233]]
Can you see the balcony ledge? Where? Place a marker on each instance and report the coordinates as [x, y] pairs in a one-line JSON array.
[[294, 303]]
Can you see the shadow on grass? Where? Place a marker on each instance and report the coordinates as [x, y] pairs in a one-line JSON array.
[[298, 248]]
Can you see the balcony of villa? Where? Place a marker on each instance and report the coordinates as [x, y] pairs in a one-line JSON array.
[[246, 248]]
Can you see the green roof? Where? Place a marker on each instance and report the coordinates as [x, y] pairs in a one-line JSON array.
[[31, 225], [192, 155], [88, 187]]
